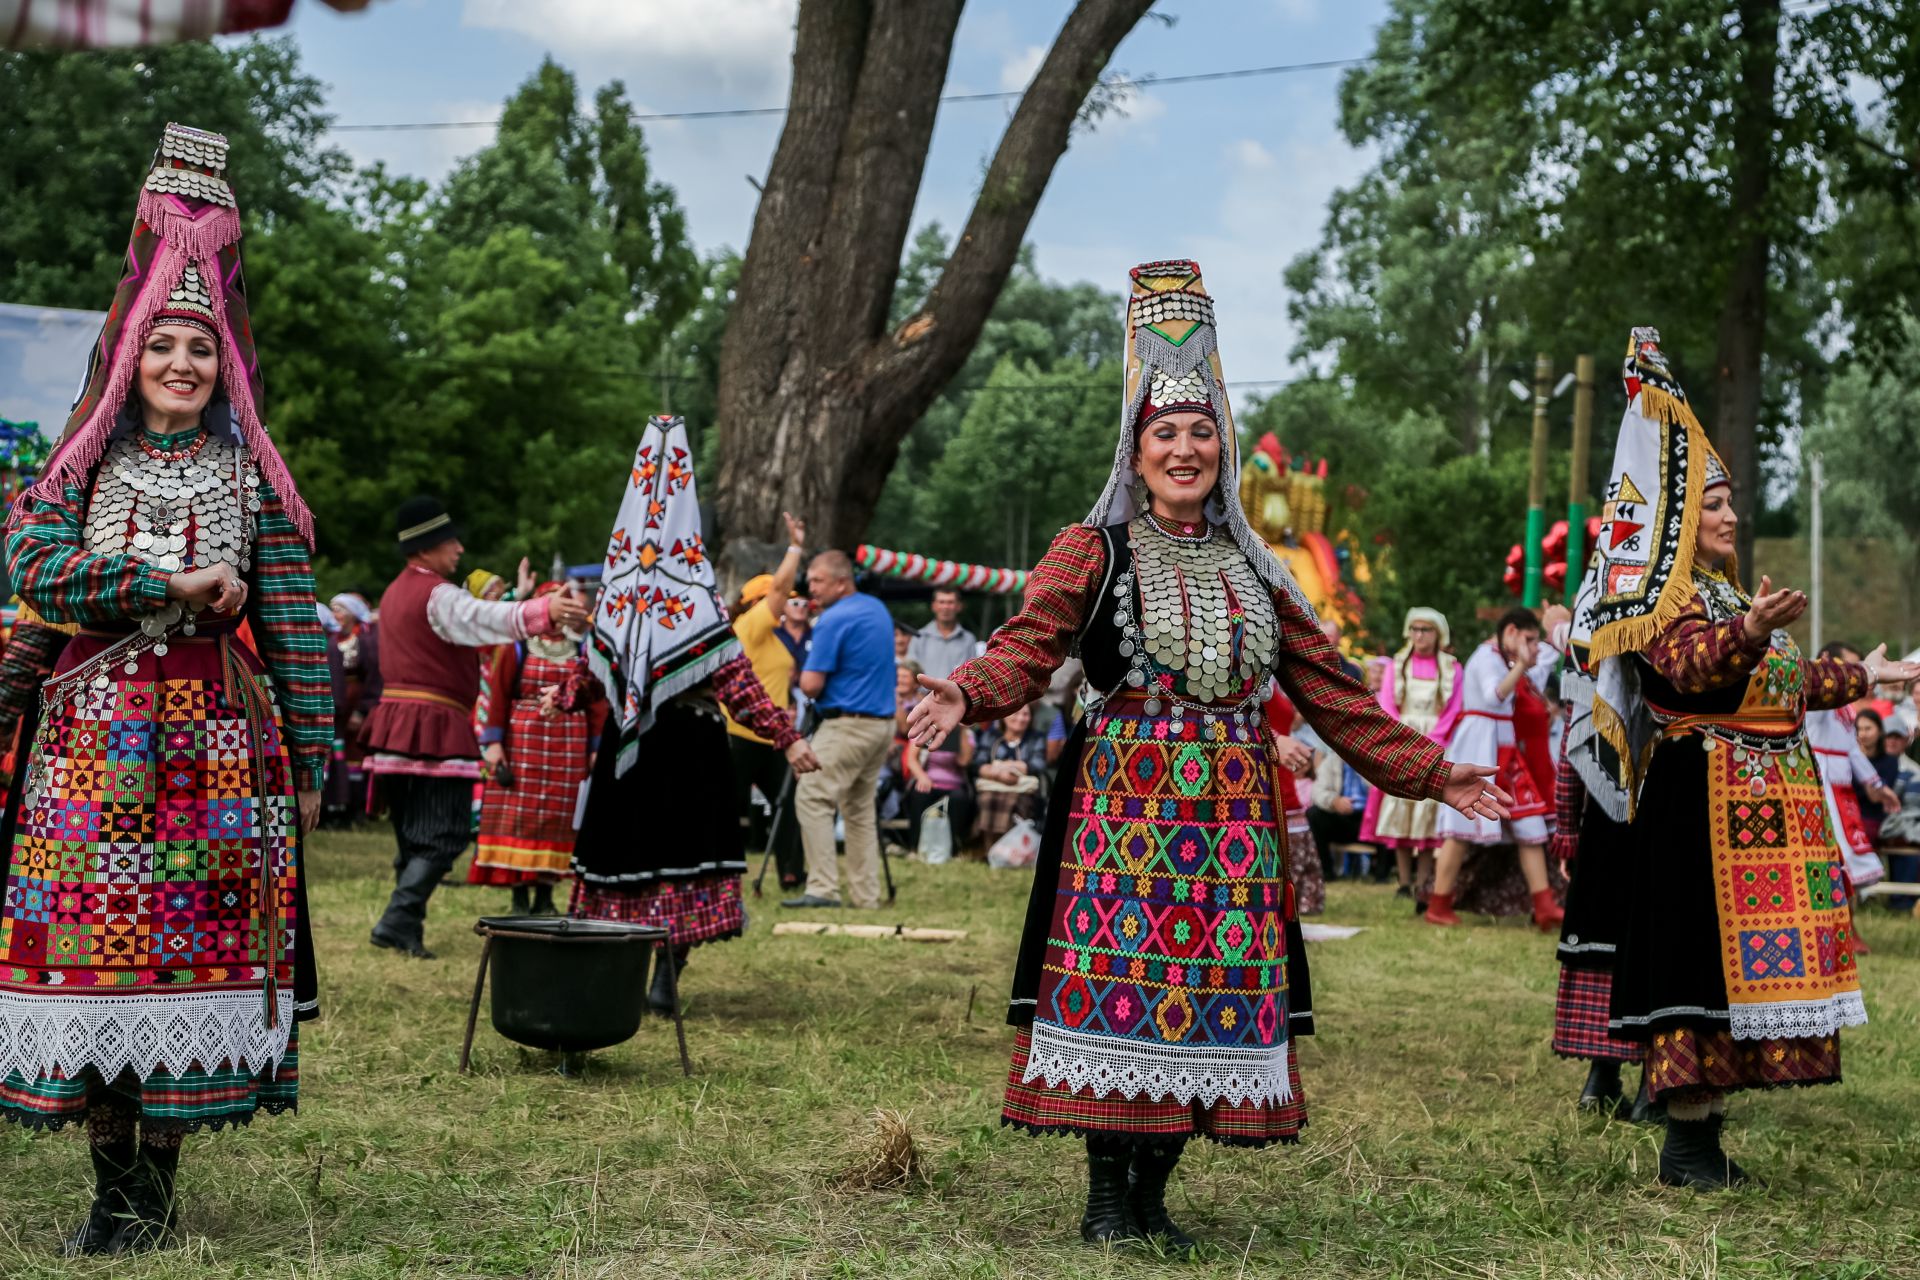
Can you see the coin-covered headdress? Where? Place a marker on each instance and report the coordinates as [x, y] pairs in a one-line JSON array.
[[182, 267], [1173, 365]]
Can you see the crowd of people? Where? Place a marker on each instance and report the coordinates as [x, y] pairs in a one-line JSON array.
[[1184, 736]]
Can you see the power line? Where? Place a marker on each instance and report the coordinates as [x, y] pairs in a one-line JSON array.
[[740, 113]]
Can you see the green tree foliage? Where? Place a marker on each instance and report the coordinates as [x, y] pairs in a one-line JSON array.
[[1042, 336], [497, 341], [1550, 176], [79, 131]]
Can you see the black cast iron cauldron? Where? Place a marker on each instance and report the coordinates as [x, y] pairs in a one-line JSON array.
[[568, 985]]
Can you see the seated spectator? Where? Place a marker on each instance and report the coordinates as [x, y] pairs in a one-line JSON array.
[[890, 795], [1338, 803], [940, 773], [1009, 776], [1901, 830], [1871, 731]]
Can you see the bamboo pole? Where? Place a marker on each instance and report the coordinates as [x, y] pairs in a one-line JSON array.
[[1577, 475], [1537, 482]]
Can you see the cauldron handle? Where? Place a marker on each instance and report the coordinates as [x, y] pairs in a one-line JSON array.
[[473, 1012], [662, 955]]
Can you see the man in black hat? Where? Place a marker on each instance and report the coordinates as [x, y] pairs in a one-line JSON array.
[[422, 755]]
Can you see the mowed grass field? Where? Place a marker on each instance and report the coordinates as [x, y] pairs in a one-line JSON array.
[[1443, 1143]]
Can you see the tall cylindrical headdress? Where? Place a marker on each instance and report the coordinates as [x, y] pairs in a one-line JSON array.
[[1173, 364], [183, 267]]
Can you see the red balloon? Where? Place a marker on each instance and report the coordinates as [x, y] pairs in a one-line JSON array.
[[1517, 556], [1555, 576], [1554, 545], [1593, 531], [1515, 581]]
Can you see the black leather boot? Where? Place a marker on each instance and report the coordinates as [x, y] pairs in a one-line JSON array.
[[113, 1167], [1691, 1156], [1107, 1220], [1147, 1196], [543, 900], [522, 899], [1603, 1091], [150, 1197]]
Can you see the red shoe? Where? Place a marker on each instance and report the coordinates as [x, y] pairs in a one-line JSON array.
[[1546, 913], [1440, 910]]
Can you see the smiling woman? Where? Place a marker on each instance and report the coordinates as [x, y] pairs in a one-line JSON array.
[[155, 877], [1161, 977]]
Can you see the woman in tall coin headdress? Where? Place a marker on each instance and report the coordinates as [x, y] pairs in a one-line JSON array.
[[154, 951], [1159, 983], [660, 839], [1735, 963]]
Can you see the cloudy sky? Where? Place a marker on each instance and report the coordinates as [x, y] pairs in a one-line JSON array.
[[1240, 169]]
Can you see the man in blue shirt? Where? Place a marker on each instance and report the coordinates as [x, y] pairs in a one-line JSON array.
[[849, 675]]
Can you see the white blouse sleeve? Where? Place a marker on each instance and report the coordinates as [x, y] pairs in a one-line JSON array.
[[459, 617]]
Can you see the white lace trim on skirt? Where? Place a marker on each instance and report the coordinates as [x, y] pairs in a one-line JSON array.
[[148, 1032], [1798, 1019], [1157, 1071]]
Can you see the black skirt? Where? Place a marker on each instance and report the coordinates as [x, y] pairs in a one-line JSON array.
[[672, 815], [1667, 970], [1598, 893]]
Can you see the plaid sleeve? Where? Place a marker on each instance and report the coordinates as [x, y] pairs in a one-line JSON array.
[[24, 667], [1832, 683], [64, 583], [1398, 760], [1022, 656], [1696, 655], [746, 700], [496, 701], [280, 601]]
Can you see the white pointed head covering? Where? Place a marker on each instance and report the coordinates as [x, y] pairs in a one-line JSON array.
[[659, 627], [1641, 575], [1173, 365]]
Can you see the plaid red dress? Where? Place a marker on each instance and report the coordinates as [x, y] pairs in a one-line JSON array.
[[526, 830]]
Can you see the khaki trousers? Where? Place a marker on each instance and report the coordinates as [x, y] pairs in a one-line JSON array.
[[851, 752]]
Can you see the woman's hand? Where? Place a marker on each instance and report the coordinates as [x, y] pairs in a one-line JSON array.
[[922, 783], [494, 754], [800, 757], [524, 583], [1771, 610], [796, 530], [217, 587], [937, 713], [1470, 790], [1291, 754], [309, 810], [1882, 672]]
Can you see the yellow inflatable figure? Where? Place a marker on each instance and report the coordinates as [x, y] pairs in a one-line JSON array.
[[1288, 508]]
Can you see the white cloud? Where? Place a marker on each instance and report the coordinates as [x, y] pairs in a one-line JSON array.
[[731, 45], [1302, 11], [1017, 71]]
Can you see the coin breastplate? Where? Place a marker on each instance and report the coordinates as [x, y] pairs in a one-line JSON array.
[[174, 512], [1205, 630]]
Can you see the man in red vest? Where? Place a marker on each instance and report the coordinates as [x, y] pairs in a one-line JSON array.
[[422, 754]]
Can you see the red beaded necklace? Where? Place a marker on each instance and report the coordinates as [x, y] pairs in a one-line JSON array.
[[173, 455]]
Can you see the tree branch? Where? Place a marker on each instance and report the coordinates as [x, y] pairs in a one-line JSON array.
[[887, 135], [911, 365]]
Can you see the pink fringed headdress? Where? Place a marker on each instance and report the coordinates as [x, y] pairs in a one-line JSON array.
[[183, 266]]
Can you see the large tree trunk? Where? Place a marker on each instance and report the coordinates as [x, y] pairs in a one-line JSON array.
[[815, 393], [1743, 309]]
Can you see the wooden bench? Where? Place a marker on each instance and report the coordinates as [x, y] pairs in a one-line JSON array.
[[1895, 888]]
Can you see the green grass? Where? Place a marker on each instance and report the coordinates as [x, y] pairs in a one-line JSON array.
[[1443, 1140]]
